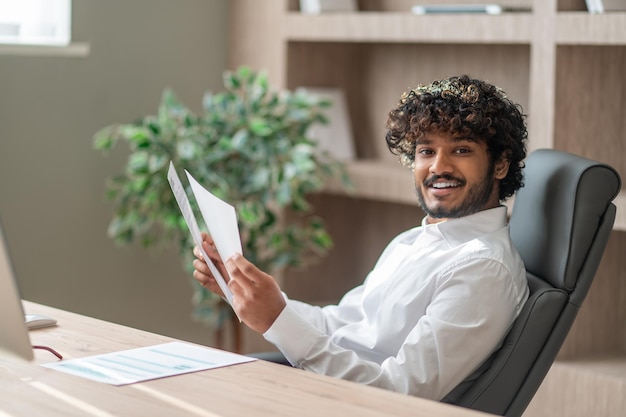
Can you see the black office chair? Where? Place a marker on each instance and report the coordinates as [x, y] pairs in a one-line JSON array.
[[561, 222]]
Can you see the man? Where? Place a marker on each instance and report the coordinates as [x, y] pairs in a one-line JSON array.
[[442, 296]]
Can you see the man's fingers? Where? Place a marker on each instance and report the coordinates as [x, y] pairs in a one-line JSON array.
[[212, 252], [235, 287], [237, 271], [207, 280], [201, 266]]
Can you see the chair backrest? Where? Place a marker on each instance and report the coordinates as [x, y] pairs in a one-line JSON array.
[[560, 224]]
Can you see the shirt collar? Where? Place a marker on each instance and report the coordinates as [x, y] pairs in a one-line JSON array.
[[463, 229]]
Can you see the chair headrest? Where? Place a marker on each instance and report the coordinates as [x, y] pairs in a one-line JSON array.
[[558, 211]]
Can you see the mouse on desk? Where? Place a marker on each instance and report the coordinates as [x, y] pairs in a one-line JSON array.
[[39, 321]]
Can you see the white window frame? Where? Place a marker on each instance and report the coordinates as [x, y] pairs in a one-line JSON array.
[[35, 22]]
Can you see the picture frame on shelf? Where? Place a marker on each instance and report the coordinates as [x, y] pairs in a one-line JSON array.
[[335, 137], [325, 6]]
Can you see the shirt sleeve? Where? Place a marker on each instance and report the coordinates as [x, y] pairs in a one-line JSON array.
[[471, 310], [329, 318], [326, 319]]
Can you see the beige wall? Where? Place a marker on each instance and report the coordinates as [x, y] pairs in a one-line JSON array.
[[51, 181]]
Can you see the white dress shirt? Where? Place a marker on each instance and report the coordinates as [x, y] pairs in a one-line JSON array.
[[438, 302]]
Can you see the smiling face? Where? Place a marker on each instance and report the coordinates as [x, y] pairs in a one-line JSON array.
[[455, 177], [459, 107]]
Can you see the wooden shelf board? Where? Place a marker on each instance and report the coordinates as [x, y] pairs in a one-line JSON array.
[[379, 181], [405, 27], [580, 28]]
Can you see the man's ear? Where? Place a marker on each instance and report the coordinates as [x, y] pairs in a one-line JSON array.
[[501, 168]]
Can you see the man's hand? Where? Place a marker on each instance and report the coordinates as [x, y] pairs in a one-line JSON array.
[[201, 272], [257, 298]]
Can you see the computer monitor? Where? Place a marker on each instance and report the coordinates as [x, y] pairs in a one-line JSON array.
[[14, 339]]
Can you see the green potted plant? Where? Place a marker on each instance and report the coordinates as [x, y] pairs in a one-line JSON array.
[[249, 146]]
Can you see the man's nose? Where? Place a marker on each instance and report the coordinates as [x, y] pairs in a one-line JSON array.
[[441, 164]]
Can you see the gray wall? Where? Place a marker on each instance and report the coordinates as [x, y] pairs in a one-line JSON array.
[[51, 180]]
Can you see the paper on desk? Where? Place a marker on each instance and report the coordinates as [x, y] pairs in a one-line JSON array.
[[146, 363], [192, 224]]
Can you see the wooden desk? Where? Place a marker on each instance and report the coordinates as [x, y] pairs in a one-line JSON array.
[[256, 388]]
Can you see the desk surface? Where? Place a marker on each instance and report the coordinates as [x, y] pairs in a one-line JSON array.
[[255, 388]]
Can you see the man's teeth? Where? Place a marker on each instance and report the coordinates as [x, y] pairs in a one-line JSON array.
[[445, 185]]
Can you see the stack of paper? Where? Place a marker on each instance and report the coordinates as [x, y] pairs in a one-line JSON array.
[[219, 217]]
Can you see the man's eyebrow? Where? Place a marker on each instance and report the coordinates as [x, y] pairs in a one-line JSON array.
[[427, 141], [463, 139]]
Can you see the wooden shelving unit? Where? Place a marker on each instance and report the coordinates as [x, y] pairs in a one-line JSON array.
[[563, 65], [381, 27]]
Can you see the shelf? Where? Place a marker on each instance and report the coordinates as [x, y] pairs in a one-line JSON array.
[[379, 181], [572, 28], [380, 27], [581, 28], [392, 183]]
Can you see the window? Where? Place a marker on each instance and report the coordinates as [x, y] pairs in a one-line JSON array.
[[35, 22]]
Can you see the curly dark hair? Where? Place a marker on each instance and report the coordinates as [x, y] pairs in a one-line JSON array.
[[462, 107]]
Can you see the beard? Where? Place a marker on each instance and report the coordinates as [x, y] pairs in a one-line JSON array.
[[477, 197]]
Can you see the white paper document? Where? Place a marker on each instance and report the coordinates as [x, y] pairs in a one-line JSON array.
[[146, 363], [219, 217]]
